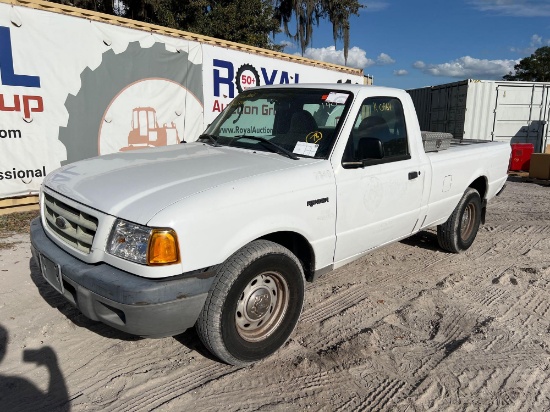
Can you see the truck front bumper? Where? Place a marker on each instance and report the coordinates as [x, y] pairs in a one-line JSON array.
[[133, 304]]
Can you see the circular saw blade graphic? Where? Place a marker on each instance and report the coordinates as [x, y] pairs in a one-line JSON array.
[[117, 71]]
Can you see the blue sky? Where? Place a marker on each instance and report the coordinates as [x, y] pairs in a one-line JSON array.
[[409, 44]]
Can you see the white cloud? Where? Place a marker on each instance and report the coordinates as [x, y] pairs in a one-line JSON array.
[[372, 6], [523, 8], [384, 59], [469, 67], [287, 44], [400, 72], [536, 42], [356, 57]]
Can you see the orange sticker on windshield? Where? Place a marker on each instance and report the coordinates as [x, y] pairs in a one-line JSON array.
[[314, 137]]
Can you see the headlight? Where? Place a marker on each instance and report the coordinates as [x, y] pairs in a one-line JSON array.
[[142, 244]]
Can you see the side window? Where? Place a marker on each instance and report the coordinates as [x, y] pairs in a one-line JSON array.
[[379, 134]]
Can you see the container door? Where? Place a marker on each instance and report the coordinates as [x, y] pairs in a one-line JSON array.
[[448, 108], [520, 114], [546, 122]]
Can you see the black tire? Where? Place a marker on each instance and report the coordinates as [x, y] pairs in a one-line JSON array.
[[253, 305], [458, 233]]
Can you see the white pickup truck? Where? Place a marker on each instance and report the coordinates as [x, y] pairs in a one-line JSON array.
[[288, 183]]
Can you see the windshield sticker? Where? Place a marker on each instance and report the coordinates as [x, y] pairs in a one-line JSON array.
[[306, 149], [337, 98], [314, 137]]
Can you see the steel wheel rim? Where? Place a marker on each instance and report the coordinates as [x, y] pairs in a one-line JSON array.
[[468, 220], [262, 306]]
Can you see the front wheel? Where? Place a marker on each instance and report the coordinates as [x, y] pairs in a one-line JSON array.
[[253, 305], [458, 233]]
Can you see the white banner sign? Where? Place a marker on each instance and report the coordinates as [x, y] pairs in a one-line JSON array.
[[71, 89]]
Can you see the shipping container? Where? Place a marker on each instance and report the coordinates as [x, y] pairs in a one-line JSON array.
[[514, 112]]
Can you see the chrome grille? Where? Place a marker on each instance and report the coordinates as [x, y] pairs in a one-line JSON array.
[[72, 226]]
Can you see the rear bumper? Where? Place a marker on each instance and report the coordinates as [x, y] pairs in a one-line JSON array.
[[136, 305]]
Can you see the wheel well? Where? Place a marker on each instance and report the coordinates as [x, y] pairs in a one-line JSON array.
[[298, 245], [480, 184]]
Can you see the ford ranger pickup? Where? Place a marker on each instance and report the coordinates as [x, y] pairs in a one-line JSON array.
[[287, 184]]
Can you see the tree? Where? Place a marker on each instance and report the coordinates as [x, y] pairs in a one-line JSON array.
[[250, 22], [101, 6], [308, 12], [535, 68], [243, 21]]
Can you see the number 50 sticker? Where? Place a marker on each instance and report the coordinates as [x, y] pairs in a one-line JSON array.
[[246, 77]]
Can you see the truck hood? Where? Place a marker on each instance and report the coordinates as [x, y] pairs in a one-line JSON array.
[[137, 185]]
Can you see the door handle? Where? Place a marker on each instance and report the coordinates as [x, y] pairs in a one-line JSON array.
[[413, 175]]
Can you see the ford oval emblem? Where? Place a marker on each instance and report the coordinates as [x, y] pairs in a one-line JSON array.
[[60, 222]]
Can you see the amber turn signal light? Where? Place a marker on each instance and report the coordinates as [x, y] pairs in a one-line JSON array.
[[163, 248]]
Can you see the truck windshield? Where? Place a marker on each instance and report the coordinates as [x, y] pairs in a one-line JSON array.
[[302, 122]]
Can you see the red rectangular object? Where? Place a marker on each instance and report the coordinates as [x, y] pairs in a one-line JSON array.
[[521, 156]]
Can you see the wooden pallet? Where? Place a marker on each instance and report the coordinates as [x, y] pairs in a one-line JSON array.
[[19, 204], [518, 174]]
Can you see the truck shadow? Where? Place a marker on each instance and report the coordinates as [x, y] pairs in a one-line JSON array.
[[518, 179], [423, 239], [191, 340], [57, 301], [529, 180]]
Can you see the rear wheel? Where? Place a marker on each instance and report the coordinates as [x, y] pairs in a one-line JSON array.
[[253, 305], [458, 233]]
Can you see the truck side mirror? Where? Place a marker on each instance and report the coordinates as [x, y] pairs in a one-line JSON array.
[[370, 148]]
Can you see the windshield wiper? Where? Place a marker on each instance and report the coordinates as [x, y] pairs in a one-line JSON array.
[[269, 144], [212, 139]]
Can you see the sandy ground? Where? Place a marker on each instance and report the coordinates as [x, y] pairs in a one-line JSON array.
[[406, 328]]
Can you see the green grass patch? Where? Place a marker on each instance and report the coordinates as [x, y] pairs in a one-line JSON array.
[[16, 223]]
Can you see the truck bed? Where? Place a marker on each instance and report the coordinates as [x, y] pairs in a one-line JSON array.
[[468, 142], [458, 166]]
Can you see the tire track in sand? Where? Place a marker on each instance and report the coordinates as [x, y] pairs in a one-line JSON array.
[[335, 304]]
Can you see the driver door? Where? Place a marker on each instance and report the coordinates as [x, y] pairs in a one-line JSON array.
[[380, 186]]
